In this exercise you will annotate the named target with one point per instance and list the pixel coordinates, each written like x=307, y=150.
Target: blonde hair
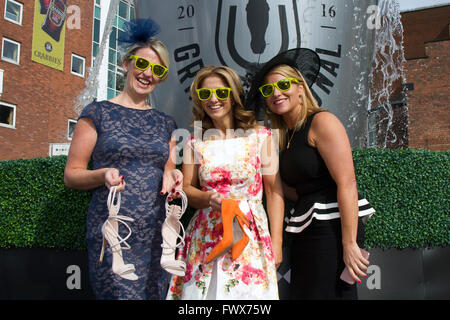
x=155, y=45
x=244, y=119
x=309, y=104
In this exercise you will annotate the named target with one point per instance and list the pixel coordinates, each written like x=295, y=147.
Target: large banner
x=241, y=33
x=49, y=33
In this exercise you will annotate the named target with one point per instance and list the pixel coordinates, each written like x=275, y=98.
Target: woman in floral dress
x=233, y=159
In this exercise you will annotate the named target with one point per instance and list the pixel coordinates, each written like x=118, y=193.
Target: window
x=96, y=31
x=123, y=10
x=116, y=79
x=13, y=11
x=77, y=65
x=70, y=128
x=7, y=115
x=10, y=51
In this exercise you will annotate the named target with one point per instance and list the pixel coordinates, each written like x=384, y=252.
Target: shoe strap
x=113, y=208
x=116, y=233
x=184, y=202
x=126, y=268
x=113, y=215
x=181, y=243
x=176, y=212
x=121, y=218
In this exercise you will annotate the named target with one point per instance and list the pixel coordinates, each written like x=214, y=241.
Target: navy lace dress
x=135, y=142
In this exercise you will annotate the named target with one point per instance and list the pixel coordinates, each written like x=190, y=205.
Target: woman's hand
x=113, y=178
x=215, y=201
x=355, y=262
x=172, y=183
x=278, y=254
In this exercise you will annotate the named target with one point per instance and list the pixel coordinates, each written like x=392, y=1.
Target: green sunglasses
x=283, y=84
x=221, y=93
x=143, y=64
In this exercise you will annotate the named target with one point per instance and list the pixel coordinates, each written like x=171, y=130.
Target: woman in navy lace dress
x=129, y=142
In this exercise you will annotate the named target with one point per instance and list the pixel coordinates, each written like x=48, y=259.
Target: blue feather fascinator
x=137, y=31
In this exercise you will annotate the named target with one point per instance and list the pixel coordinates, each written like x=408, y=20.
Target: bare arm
x=172, y=177
x=329, y=136
x=274, y=196
x=76, y=174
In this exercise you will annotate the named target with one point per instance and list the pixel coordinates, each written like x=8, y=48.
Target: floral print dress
x=231, y=167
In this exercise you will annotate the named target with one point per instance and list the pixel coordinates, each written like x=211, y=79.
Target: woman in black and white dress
x=316, y=167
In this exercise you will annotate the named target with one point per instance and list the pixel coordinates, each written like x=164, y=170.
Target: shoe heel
x=112, y=238
x=240, y=245
x=102, y=252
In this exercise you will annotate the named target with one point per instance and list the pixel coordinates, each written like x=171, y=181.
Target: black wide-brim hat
x=305, y=60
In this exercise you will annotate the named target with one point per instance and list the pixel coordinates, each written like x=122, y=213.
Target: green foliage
x=36, y=209
x=409, y=191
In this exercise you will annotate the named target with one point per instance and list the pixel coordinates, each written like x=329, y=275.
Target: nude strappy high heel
x=171, y=235
x=110, y=232
x=230, y=210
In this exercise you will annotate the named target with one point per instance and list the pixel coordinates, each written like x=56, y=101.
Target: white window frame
x=20, y=15
x=84, y=65
x=69, y=121
x=1, y=82
x=18, y=51
x=13, y=126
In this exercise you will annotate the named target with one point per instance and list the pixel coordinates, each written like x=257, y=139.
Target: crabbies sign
x=49, y=33
x=243, y=34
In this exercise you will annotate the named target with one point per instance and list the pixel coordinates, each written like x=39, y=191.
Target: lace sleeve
x=92, y=111
x=171, y=125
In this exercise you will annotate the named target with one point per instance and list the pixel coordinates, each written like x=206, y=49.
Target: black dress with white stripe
x=316, y=251
x=302, y=168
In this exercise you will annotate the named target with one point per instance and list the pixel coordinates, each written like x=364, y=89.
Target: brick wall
x=43, y=96
x=428, y=103
x=424, y=122
x=421, y=26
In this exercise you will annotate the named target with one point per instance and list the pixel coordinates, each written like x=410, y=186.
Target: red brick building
x=427, y=73
x=419, y=115
x=36, y=102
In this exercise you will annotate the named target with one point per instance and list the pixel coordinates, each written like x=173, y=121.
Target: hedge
x=36, y=209
x=408, y=189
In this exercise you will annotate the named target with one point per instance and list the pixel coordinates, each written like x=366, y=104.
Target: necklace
x=293, y=131
x=289, y=141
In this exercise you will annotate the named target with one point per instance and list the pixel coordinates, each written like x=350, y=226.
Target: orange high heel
x=230, y=210
x=239, y=246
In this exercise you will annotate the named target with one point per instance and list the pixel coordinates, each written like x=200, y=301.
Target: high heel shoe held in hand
x=172, y=238
x=110, y=231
